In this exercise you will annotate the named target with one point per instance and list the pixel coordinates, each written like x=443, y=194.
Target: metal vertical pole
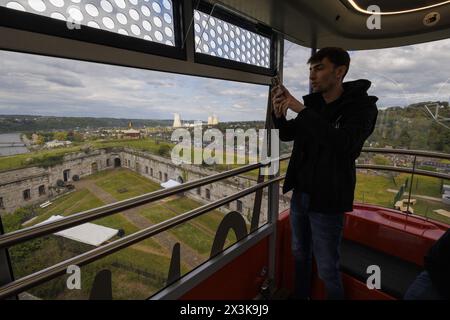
x=6, y=273
x=274, y=189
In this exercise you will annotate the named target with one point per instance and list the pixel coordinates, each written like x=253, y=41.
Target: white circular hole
x=121, y=18
x=123, y=31
x=75, y=14
x=120, y=3
x=147, y=37
x=157, y=21
x=156, y=7
x=169, y=43
x=167, y=18
x=167, y=4
x=205, y=36
x=159, y=35
x=134, y=14
x=212, y=44
x=168, y=31
x=147, y=26
x=106, y=6
x=108, y=22
x=91, y=10
x=14, y=5
x=197, y=27
x=57, y=15
x=57, y=3
x=37, y=5
x=145, y=11
x=212, y=33
x=219, y=29
x=135, y=2
x=93, y=24
x=205, y=48
x=220, y=51
x=220, y=41
x=196, y=15
x=135, y=29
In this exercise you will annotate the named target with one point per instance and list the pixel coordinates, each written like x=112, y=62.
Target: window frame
x=36, y=23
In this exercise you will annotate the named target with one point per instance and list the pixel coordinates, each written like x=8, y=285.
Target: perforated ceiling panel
x=151, y=20
x=222, y=39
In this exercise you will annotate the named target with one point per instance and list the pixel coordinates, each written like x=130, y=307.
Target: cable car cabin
x=218, y=231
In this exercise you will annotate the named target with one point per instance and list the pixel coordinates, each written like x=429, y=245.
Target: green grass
x=186, y=233
x=148, y=145
x=114, y=180
x=372, y=189
x=198, y=233
x=40, y=158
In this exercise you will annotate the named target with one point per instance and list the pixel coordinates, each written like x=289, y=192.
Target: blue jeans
x=321, y=234
x=422, y=289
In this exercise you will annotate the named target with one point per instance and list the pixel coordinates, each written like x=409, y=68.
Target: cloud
x=63, y=81
x=32, y=84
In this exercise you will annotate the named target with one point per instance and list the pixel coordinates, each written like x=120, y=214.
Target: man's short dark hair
x=338, y=56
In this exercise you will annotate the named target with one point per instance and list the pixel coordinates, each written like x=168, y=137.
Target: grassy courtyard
x=137, y=271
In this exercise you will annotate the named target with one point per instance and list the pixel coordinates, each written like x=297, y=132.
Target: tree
x=164, y=150
x=381, y=160
x=62, y=136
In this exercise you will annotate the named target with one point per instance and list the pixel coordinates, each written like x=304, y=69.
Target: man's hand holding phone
x=282, y=100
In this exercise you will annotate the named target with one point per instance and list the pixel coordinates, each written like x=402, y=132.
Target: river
x=7, y=141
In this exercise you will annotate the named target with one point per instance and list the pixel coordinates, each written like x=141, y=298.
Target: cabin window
x=208, y=194
x=128, y=18
x=219, y=38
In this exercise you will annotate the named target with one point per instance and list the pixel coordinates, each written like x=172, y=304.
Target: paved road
x=417, y=196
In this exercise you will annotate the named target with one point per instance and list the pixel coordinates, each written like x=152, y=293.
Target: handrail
x=44, y=275
x=422, y=153
x=405, y=170
x=58, y=269
x=15, y=237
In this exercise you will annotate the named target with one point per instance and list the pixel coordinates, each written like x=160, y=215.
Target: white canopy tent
x=170, y=184
x=88, y=233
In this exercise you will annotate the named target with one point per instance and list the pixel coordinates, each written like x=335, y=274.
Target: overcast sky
x=49, y=86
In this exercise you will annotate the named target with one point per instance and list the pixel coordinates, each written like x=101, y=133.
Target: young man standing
x=328, y=133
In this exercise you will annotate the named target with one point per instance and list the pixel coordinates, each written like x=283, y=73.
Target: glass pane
x=94, y=134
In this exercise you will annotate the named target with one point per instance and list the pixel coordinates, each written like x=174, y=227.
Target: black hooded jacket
x=437, y=263
x=328, y=138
